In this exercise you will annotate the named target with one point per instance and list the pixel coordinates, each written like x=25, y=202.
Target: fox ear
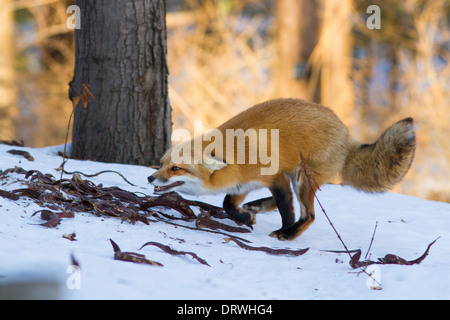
x=212, y=163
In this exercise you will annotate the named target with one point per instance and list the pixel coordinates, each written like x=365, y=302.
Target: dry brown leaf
x=75, y=101
x=84, y=100
x=132, y=256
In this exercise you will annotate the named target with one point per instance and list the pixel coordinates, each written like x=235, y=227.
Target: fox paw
x=281, y=235
x=243, y=216
x=289, y=233
x=251, y=220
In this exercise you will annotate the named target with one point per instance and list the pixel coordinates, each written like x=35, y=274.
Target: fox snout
x=162, y=184
x=155, y=178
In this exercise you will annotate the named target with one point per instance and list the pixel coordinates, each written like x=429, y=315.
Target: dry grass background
x=223, y=57
x=220, y=64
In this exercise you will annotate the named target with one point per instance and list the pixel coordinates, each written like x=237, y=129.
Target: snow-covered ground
x=35, y=259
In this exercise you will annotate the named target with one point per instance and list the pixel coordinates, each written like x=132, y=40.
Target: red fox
x=290, y=130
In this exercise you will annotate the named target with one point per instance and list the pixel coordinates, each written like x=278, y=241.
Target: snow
x=37, y=260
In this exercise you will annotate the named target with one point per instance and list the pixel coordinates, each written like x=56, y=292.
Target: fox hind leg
x=261, y=205
x=282, y=196
x=305, y=194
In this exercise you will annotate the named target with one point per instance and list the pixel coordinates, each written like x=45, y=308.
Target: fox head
x=189, y=176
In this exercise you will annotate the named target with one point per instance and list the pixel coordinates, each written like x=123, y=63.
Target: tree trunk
x=336, y=48
x=121, y=54
x=8, y=107
x=299, y=24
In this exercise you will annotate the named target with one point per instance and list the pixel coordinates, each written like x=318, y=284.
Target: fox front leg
x=231, y=206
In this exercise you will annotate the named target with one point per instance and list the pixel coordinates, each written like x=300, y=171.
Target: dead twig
x=97, y=174
x=203, y=230
x=173, y=252
x=268, y=250
x=22, y=153
x=84, y=94
x=9, y=195
x=204, y=221
x=371, y=241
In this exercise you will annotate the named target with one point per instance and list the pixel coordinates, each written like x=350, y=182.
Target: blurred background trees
x=226, y=55
x=8, y=97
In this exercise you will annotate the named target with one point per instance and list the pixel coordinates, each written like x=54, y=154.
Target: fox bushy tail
x=379, y=166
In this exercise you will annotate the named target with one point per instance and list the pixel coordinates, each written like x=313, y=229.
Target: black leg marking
x=306, y=199
x=283, y=199
x=230, y=205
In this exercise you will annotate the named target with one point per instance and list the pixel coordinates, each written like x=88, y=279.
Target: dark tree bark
x=121, y=54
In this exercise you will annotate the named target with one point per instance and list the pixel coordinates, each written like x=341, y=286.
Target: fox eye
x=175, y=168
